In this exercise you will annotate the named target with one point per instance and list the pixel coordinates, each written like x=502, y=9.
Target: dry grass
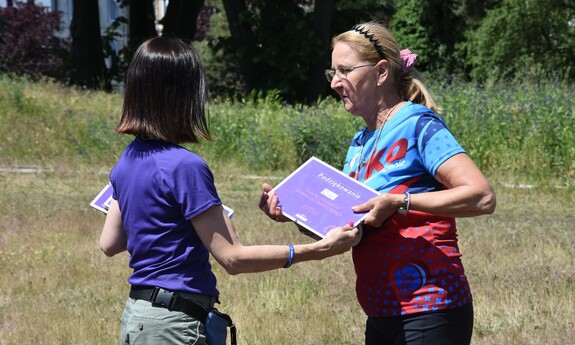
x=56, y=287
x=521, y=264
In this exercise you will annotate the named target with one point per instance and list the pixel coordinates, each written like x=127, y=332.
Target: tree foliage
x=347, y=13
x=431, y=29
x=284, y=46
x=523, y=38
x=181, y=17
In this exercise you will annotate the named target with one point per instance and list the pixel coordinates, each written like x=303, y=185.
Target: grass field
x=56, y=287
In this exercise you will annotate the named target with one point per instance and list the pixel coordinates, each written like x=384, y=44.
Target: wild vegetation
x=521, y=133
x=57, y=148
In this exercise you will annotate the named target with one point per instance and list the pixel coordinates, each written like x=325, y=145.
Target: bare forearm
x=251, y=259
x=457, y=202
x=111, y=250
x=218, y=235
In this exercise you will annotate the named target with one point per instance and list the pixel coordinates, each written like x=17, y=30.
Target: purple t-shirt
x=160, y=187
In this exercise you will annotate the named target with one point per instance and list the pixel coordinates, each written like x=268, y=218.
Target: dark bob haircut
x=165, y=93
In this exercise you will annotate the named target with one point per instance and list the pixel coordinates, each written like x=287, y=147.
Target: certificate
x=104, y=198
x=319, y=197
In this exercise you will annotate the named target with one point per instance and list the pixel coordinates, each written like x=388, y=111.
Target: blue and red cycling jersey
x=411, y=263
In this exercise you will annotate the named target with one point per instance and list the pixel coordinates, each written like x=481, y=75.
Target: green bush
x=264, y=133
x=28, y=43
x=520, y=38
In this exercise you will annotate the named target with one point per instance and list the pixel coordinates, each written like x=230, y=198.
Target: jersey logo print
x=396, y=151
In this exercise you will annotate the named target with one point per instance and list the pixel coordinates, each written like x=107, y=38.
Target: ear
x=382, y=71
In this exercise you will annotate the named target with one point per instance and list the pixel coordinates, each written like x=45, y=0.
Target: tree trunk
x=240, y=33
x=181, y=18
x=141, y=21
x=86, y=52
x=322, y=15
x=234, y=8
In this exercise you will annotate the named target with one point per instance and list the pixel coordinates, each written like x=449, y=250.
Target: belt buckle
x=162, y=297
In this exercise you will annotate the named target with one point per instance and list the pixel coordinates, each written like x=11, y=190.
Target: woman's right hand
x=270, y=204
x=379, y=208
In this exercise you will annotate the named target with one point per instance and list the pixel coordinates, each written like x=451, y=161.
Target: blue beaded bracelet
x=291, y=256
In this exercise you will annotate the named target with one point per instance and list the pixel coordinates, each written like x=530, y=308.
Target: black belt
x=170, y=300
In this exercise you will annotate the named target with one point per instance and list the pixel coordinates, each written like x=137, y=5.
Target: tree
x=141, y=22
x=86, y=52
x=181, y=18
x=430, y=29
x=321, y=26
x=523, y=38
x=141, y=26
x=89, y=49
x=284, y=45
x=270, y=53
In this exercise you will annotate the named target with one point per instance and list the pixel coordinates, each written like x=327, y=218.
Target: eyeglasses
x=341, y=72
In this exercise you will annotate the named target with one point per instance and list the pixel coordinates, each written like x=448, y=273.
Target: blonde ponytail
x=412, y=88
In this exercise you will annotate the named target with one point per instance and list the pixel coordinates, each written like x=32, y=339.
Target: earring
x=378, y=84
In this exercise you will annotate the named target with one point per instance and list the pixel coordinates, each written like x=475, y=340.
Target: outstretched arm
x=218, y=234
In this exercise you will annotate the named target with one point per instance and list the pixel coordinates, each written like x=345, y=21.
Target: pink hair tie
x=408, y=59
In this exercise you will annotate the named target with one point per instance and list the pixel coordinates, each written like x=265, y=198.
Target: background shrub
x=28, y=42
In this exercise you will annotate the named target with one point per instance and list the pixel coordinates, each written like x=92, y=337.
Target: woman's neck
x=383, y=115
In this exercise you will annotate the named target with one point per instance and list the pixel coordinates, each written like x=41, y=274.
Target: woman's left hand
x=270, y=204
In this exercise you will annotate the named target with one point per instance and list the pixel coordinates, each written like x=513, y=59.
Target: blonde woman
x=410, y=278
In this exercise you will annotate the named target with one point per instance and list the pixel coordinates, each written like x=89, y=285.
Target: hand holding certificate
x=319, y=198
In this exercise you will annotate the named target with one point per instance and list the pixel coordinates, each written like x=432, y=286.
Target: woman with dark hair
x=166, y=211
x=410, y=279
